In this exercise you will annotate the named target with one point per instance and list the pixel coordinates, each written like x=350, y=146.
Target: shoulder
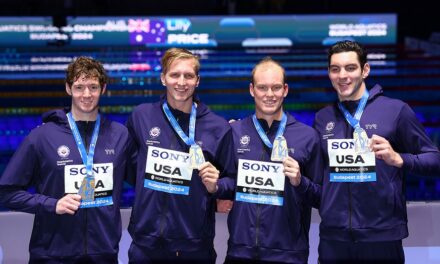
x=142, y=108
x=144, y=112
x=325, y=118
x=326, y=111
x=387, y=102
x=240, y=124
x=386, y=107
x=299, y=130
x=211, y=119
x=115, y=126
x=43, y=130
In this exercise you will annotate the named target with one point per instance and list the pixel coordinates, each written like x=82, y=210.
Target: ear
x=251, y=89
x=366, y=71
x=68, y=89
x=198, y=81
x=162, y=79
x=286, y=90
x=104, y=88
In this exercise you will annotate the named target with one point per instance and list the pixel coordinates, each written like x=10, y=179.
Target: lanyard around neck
x=189, y=140
x=87, y=158
x=263, y=135
x=354, y=120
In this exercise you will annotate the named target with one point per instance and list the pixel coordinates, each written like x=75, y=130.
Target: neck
x=185, y=106
x=270, y=117
x=79, y=116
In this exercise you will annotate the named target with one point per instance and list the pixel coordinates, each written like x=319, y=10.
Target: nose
x=342, y=73
x=181, y=80
x=87, y=92
x=269, y=92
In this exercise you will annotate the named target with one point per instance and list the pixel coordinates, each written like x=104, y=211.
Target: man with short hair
x=279, y=170
x=76, y=161
x=370, y=142
x=185, y=162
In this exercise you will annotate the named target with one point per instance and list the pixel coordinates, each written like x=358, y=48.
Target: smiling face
x=85, y=92
x=269, y=90
x=181, y=80
x=347, y=75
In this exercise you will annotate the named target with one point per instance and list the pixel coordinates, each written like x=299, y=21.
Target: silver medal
x=87, y=189
x=361, y=140
x=196, y=156
x=279, y=149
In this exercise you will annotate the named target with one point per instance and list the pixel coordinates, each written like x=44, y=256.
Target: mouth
x=269, y=103
x=344, y=85
x=180, y=90
x=87, y=103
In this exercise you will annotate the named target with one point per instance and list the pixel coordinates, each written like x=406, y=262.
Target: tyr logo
x=110, y=151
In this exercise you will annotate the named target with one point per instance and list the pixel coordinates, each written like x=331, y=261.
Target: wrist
x=214, y=190
x=295, y=181
x=398, y=161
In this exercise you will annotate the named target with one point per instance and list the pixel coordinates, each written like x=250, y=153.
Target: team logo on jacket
x=329, y=130
x=244, y=141
x=244, y=144
x=63, y=151
x=154, y=132
x=329, y=127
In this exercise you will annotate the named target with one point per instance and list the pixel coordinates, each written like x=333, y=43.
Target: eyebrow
x=351, y=64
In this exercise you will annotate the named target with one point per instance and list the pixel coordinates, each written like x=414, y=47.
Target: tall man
x=185, y=154
x=370, y=141
x=279, y=168
x=74, y=151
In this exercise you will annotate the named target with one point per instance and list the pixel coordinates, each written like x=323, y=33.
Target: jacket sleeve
x=420, y=156
x=132, y=150
x=311, y=179
x=228, y=167
x=22, y=172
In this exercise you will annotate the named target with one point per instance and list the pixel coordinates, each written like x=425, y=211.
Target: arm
x=414, y=151
x=226, y=168
x=21, y=172
x=309, y=184
x=131, y=153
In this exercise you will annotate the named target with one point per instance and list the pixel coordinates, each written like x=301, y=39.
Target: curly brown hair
x=90, y=67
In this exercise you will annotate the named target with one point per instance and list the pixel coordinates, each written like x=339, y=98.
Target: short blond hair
x=178, y=54
x=267, y=61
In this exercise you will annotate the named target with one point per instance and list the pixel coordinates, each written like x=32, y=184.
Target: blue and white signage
x=167, y=171
x=260, y=182
x=348, y=166
x=103, y=174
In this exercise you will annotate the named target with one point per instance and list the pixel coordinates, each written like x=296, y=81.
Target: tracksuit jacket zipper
x=257, y=252
x=86, y=145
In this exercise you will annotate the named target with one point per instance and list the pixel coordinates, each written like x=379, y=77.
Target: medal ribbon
x=263, y=135
x=86, y=158
x=354, y=121
x=189, y=140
